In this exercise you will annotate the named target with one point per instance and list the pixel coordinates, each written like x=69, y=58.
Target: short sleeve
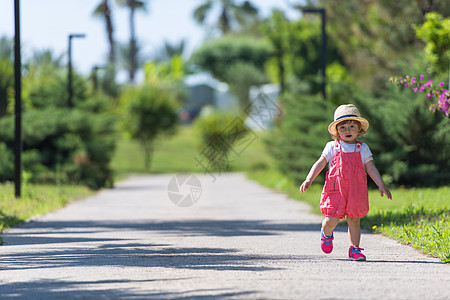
x=328, y=151
x=366, y=154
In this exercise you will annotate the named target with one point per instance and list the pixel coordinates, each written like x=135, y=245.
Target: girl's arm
x=315, y=170
x=376, y=177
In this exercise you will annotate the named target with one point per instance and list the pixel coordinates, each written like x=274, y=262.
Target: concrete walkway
x=240, y=240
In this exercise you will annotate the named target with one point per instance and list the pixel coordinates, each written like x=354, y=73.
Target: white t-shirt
x=328, y=151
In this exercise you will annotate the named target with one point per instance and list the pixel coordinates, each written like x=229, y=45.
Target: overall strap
x=337, y=145
x=358, y=147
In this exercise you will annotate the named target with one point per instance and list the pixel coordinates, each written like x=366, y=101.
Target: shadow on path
x=219, y=228
x=48, y=253
x=62, y=289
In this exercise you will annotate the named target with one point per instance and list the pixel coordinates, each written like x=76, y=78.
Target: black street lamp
x=94, y=76
x=70, y=86
x=18, y=103
x=322, y=13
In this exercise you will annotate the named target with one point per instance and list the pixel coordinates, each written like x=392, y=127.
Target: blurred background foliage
x=368, y=41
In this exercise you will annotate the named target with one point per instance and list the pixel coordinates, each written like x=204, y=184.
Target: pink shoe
x=326, y=243
x=354, y=253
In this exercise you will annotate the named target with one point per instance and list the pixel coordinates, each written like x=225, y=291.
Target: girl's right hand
x=305, y=185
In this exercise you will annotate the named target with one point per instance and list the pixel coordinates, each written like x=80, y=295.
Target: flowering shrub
x=442, y=95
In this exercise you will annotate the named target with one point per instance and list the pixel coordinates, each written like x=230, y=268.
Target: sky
x=46, y=24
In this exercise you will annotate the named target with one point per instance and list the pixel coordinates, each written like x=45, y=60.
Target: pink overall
x=345, y=190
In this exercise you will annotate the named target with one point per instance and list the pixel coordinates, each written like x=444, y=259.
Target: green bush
x=77, y=143
x=219, y=133
x=148, y=111
x=299, y=139
x=216, y=56
x=410, y=144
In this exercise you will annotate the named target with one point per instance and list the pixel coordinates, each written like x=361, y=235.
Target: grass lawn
x=177, y=154
x=36, y=200
x=418, y=217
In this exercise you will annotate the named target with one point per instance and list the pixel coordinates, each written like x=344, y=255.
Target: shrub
x=299, y=139
x=409, y=143
x=148, y=112
x=80, y=143
x=219, y=133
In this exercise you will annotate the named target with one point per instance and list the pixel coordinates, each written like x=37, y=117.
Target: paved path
x=240, y=240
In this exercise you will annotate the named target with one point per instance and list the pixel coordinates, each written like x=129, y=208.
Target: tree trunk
x=110, y=31
x=133, y=54
x=148, y=148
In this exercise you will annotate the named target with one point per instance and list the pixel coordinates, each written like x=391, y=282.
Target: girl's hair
x=361, y=131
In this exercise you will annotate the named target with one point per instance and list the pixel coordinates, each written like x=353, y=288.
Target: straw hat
x=347, y=112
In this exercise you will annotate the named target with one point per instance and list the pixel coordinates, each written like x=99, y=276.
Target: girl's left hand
x=384, y=190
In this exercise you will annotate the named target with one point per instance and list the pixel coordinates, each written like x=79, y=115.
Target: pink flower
x=429, y=95
x=421, y=77
x=415, y=90
x=407, y=76
x=441, y=84
x=422, y=88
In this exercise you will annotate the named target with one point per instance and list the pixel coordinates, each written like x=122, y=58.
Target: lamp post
x=94, y=76
x=18, y=103
x=70, y=86
x=322, y=13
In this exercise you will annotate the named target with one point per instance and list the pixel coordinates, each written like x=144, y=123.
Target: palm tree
x=133, y=5
x=42, y=59
x=103, y=10
x=169, y=50
x=230, y=12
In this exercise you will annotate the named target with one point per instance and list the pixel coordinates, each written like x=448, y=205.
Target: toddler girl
x=345, y=189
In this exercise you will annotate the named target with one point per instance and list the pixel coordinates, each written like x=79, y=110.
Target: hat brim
x=332, y=126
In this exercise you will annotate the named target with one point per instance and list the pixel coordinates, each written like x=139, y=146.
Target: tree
x=132, y=57
x=276, y=29
x=435, y=32
x=45, y=59
x=238, y=61
x=372, y=36
x=230, y=13
x=168, y=50
x=108, y=82
x=103, y=10
x=168, y=74
x=148, y=112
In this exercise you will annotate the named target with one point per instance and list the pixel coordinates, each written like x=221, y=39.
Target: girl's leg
x=354, y=231
x=328, y=225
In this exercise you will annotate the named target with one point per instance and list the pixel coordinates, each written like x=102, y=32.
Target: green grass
x=177, y=154
x=418, y=217
x=36, y=200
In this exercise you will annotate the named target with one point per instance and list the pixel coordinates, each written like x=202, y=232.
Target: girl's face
x=348, y=132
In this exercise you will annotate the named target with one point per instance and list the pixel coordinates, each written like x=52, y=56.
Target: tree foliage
x=297, y=51
x=301, y=136
x=62, y=145
x=148, y=112
x=217, y=55
x=409, y=143
x=372, y=36
x=59, y=144
x=232, y=15
x=238, y=61
x=435, y=32
x=372, y=41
